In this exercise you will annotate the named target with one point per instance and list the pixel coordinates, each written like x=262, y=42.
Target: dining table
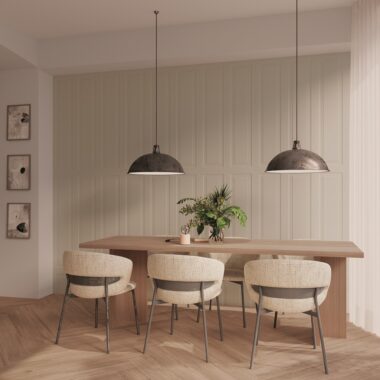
x=136, y=248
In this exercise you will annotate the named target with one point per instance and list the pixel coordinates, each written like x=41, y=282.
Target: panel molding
x=223, y=122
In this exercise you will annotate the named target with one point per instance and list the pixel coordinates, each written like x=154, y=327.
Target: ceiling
x=10, y=60
x=41, y=19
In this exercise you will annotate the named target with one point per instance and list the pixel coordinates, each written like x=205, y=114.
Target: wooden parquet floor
x=27, y=331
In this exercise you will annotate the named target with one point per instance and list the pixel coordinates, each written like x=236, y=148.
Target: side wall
x=364, y=279
x=26, y=266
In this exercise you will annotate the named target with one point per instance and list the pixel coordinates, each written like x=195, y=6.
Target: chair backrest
x=185, y=268
x=299, y=274
x=289, y=286
x=95, y=264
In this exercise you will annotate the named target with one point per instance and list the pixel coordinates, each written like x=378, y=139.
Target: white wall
x=26, y=265
x=322, y=31
x=223, y=122
x=45, y=183
x=364, y=279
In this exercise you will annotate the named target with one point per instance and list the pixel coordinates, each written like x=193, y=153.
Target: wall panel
x=224, y=122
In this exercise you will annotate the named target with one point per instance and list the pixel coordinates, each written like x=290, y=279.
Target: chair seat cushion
x=118, y=287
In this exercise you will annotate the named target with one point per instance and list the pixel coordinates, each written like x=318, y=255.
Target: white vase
x=184, y=239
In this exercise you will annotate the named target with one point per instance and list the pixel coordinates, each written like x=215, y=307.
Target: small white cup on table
x=184, y=237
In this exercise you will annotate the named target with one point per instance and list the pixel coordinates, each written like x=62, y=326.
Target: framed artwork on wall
x=18, y=122
x=18, y=172
x=18, y=220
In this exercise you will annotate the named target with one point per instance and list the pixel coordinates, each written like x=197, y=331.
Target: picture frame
x=18, y=172
x=18, y=220
x=18, y=122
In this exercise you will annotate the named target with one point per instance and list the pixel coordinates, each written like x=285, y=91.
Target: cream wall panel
x=241, y=109
x=270, y=76
x=270, y=203
x=133, y=110
x=332, y=129
x=160, y=205
x=212, y=136
x=224, y=122
x=110, y=107
x=332, y=207
x=186, y=116
x=301, y=201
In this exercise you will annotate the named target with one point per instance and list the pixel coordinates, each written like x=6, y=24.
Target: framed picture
x=18, y=220
x=18, y=172
x=18, y=122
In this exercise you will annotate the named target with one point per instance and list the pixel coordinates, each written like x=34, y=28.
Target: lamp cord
x=156, y=79
x=296, y=70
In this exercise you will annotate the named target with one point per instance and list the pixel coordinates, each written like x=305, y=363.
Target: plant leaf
x=200, y=228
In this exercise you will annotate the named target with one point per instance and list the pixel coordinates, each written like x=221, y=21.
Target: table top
x=312, y=248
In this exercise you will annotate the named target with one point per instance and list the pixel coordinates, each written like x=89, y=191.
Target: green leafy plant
x=212, y=210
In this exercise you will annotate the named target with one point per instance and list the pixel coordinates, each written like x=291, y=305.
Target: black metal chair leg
x=137, y=321
x=96, y=312
x=172, y=319
x=275, y=320
x=62, y=311
x=210, y=305
x=150, y=319
x=220, y=319
x=321, y=334
x=313, y=328
x=107, y=316
x=204, y=322
x=257, y=327
x=176, y=312
x=243, y=304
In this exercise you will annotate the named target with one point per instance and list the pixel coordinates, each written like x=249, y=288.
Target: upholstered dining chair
x=182, y=280
x=234, y=272
x=289, y=286
x=289, y=257
x=97, y=276
x=168, y=238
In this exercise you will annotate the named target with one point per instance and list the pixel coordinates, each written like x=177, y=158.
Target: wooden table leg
x=121, y=307
x=333, y=310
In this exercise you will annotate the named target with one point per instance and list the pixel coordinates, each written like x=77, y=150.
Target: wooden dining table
x=136, y=248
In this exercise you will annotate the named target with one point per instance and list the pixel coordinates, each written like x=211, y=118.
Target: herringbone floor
x=27, y=330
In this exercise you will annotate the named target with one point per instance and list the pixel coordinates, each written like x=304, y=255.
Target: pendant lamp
x=297, y=160
x=156, y=163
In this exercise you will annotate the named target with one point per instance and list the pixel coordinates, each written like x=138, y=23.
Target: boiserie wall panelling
x=224, y=122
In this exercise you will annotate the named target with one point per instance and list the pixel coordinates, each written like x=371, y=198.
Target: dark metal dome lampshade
x=156, y=163
x=297, y=160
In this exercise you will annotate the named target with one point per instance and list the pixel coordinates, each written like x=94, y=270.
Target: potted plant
x=213, y=210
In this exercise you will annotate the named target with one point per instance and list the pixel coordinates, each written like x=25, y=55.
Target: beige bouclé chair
x=97, y=276
x=288, y=286
x=234, y=272
x=182, y=280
